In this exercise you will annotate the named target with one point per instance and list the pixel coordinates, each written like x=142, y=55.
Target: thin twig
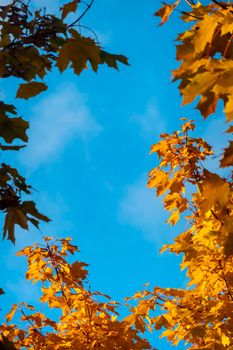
x=227, y=46
x=220, y=4
x=31, y=323
x=82, y=15
x=190, y=2
x=92, y=31
x=216, y=217
x=225, y=280
x=190, y=15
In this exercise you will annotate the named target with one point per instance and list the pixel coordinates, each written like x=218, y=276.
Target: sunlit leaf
x=166, y=11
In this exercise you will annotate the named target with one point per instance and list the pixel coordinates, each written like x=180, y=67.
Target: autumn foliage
x=32, y=44
x=201, y=314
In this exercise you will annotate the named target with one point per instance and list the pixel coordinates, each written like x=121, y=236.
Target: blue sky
x=88, y=156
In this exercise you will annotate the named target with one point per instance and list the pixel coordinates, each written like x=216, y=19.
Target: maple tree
x=32, y=44
x=201, y=314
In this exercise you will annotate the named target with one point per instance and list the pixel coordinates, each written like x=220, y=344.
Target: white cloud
x=141, y=209
x=150, y=122
x=56, y=120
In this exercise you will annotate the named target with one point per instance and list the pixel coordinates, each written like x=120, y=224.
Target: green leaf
x=31, y=89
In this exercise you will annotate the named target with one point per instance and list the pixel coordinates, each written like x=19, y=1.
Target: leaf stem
x=30, y=322
x=82, y=15
x=227, y=46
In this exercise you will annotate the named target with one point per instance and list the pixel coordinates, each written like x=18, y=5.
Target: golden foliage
x=88, y=320
x=201, y=314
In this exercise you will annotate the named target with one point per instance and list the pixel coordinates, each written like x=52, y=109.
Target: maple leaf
x=111, y=59
x=78, y=271
x=79, y=51
x=208, y=103
x=214, y=190
x=203, y=32
x=13, y=128
x=225, y=340
x=11, y=314
x=230, y=129
x=31, y=89
x=175, y=216
x=227, y=158
x=11, y=148
x=6, y=344
x=69, y=7
x=166, y=11
x=14, y=216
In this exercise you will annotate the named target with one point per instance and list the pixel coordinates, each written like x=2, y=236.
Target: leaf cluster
x=31, y=45
x=201, y=314
x=88, y=320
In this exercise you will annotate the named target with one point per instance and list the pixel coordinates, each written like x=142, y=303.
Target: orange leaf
x=166, y=11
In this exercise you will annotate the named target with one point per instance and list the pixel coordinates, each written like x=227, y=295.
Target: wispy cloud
x=56, y=120
x=141, y=209
x=150, y=121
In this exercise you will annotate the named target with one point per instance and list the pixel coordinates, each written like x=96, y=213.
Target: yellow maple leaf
x=225, y=340
x=166, y=11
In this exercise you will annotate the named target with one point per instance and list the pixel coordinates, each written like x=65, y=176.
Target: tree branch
x=82, y=15
x=220, y=4
x=190, y=2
